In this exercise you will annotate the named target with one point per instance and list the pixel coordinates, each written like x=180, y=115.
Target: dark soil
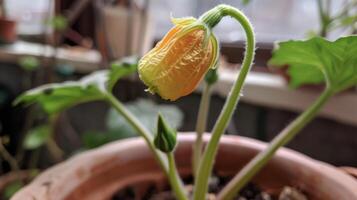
x=151, y=191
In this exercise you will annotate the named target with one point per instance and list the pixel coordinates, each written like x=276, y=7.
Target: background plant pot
x=124, y=30
x=7, y=31
x=100, y=173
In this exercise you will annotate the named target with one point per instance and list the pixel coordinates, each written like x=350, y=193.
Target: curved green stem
x=201, y=126
x=175, y=180
x=245, y=175
x=141, y=130
x=206, y=164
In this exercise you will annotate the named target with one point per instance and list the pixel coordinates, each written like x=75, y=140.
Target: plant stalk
x=248, y=172
x=175, y=180
x=8, y=157
x=55, y=151
x=201, y=126
x=324, y=18
x=141, y=130
x=206, y=164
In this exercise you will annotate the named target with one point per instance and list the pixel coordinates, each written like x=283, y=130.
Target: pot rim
x=56, y=177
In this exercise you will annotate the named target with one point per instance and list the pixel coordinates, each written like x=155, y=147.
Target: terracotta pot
x=7, y=31
x=98, y=174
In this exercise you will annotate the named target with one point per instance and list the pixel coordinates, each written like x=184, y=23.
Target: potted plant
x=226, y=164
x=8, y=26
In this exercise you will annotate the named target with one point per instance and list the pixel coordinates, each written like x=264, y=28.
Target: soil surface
x=250, y=192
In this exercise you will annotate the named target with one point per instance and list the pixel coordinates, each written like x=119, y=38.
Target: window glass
x=30, y=15
x=272, y=19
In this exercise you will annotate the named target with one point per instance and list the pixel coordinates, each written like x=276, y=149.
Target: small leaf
x=349, y=20
x=165, y=138
x=59, y=23
x=56, y=97
x=29, y=63
x=120, y=69
x=317, y=59
x=246, y=2
x=36, y=137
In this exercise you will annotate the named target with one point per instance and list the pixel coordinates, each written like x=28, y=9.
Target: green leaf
x=348, y=20
x=57, y=97
x=246, y=2
x=146, y=112
x=95, y=139
x=59, y=22
x=124, y=67
x=317, y=59
x=11, y=189
x=36, y=137
x=29, y=63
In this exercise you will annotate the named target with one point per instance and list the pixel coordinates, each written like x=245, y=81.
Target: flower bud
x=211, y=76
x=180, y=60
x=165, y=139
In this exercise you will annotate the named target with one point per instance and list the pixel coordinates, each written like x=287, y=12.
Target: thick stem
x=141, y=130
x=206, y=164
x=245, y=175
x=201, y=126
x=175, y=180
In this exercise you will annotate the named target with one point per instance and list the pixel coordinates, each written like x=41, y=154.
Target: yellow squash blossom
x=180, y=60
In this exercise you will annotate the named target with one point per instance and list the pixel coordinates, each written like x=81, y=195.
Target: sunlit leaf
x=317, y=59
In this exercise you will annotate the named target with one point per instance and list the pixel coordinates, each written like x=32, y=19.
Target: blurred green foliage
x=29, y=63
x=145, y=110
x=37, y=137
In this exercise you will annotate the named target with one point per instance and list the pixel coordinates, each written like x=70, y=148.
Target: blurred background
x=46, y=41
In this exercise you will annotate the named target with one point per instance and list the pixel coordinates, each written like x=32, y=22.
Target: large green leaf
x=56, y=97
x=36, y=137
x=317, y=59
